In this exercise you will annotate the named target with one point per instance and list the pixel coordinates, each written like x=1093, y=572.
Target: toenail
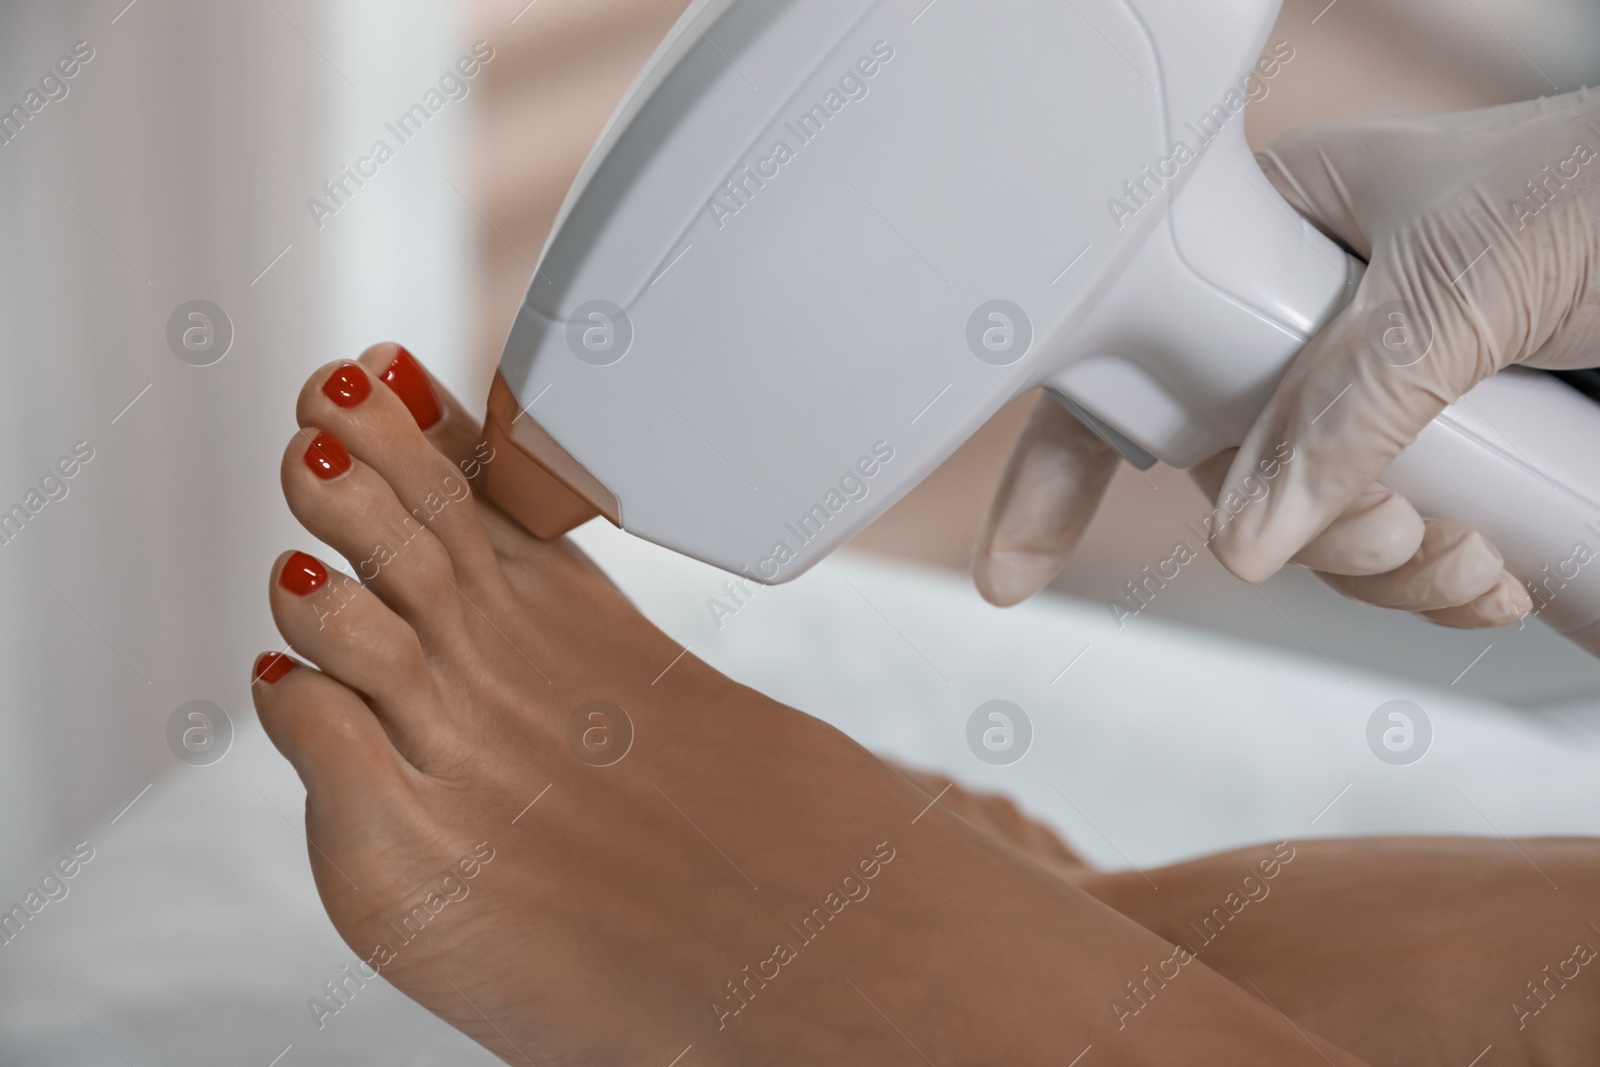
x=272, y=666
x=303, y=575
x=405, y=376
x=347, y=386
x=327, y=456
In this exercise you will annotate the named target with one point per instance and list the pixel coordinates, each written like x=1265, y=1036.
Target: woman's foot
x=539, y=817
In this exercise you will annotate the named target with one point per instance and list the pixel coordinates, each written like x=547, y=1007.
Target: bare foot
x=535, y=814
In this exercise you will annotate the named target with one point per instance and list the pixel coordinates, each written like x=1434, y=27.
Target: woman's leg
x=536, y=815
x=1407, y=951
x=1005, y=823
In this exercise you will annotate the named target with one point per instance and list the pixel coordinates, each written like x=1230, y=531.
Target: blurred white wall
x=403, y=256
x=178, y=167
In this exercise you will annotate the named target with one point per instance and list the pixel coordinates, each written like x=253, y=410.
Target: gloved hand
x=1482, y=230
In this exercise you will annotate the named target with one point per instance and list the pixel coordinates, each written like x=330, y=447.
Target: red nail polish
x=303, y=575
x=271, y=667
x=327, y=456
x=347, y=386
x=406, y=377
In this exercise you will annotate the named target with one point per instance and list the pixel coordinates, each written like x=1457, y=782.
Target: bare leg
x=1007, y=824
x=1406, y=951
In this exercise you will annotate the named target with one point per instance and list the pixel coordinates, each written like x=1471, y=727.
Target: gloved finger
x=1301, y=166
x=1357, y=177
x=1378, y=532
x=1415, y=338
x=1505, y=602
x=1051, y=488
x=1347, y=407
x=1455, y=565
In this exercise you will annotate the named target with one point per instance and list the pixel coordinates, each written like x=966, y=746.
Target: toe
x=345, y=503
x=458, y=435
x=443, y=420
x=357, y=641
x=378, y=428
x=322, y=727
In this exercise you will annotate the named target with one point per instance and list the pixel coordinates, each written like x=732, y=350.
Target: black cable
x=1586, y=382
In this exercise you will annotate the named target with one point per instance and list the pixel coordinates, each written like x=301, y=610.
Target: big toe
x=443, y=420
x=378, y=425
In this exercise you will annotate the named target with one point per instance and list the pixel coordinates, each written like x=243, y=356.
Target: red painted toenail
x=271, y=667
x=347, y=386
x=327, y=456
x=405, y=376
x=303, y=575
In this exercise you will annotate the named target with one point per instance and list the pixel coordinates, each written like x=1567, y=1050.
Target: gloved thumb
x=1421, y=331
x=1342, y=414
x=1051, y=488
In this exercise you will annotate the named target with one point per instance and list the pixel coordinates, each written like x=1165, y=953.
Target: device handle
x=1511, y=460
x=1243, y=282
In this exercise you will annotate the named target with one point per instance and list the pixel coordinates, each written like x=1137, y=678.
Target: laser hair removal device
x=821, y=242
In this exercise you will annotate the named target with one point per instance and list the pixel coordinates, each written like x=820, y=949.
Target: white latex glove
x=1060, y=469
x=1445, y=209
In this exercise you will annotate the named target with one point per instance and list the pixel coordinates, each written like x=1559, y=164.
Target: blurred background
x=186, y=160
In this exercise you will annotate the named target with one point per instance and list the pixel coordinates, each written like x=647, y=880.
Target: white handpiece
x=823, y=241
